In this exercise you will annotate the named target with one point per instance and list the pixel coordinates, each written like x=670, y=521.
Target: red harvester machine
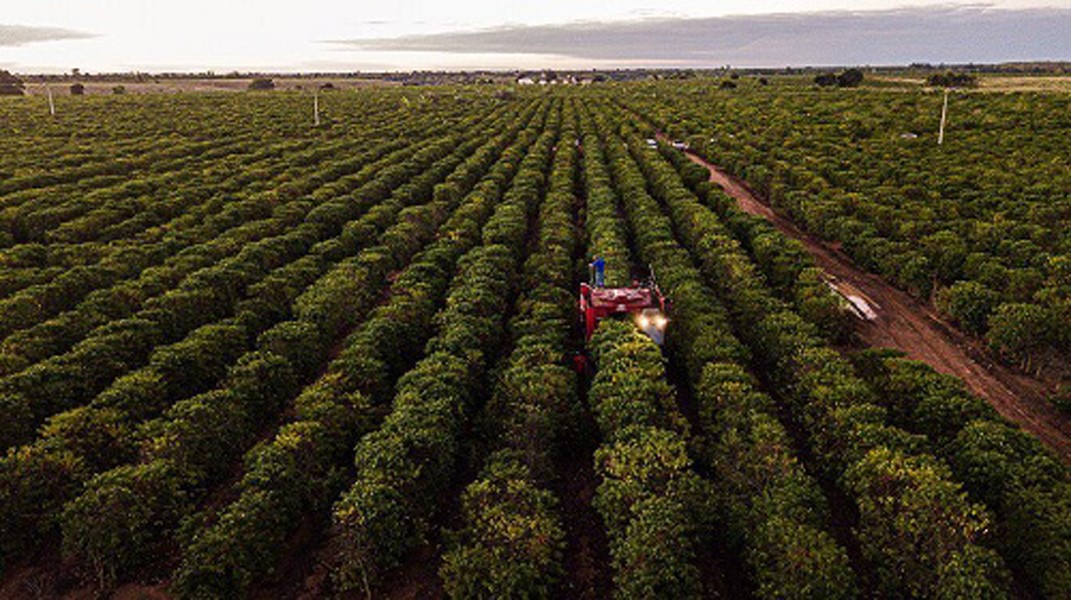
x=643, y=301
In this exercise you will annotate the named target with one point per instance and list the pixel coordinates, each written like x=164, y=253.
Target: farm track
x=906, y=324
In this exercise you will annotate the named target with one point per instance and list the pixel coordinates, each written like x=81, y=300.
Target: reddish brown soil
x=133, y=591
x=587, y=559
x=305, y=573
x=417, y=579
x=47, y=575
x=30, y=581
x=38, y=583
x=908, y=325
x=587, y=556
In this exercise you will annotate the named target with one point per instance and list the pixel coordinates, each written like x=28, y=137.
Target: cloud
x=951, y=34
x=18, y=35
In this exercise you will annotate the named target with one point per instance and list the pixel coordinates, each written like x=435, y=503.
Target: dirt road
x=906, y=324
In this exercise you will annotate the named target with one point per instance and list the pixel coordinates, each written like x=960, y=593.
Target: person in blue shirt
x=599, y=265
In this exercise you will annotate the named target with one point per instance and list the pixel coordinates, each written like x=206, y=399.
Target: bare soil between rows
x=910, y=326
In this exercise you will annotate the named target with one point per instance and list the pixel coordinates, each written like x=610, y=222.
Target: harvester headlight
x=643, y=321
x=660, y=322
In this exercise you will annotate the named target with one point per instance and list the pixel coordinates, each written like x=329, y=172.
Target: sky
x=51, y=36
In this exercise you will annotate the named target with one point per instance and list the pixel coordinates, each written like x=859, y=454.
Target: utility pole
x=316, y=108
x=51, y=103
x=944, y=113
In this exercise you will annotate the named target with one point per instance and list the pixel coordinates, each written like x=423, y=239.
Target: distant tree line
x=261, y=84
x=11, y=85
x=847, y=78
x=950, y=79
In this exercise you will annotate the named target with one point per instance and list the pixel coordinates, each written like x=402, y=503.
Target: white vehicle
x=652, y=143
x=679, y=145
x=857, y=303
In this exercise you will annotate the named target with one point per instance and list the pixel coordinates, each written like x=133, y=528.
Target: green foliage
x=194, y=317
x=795, y=560
x=246, y=535
x=969, y=303
x=513, y=543
x=151, y=416
x=850, y=78
x=646, y=462
x=653, y=558
x=605, y=232
x=15, y=419
x=403, y=466
x=1016, y=329
x=652, y=503
x=773, y=508
x=1028, y=490
x=927, y=523
x=33, y=485
x=849, y=437
x=847, y=78
x=300, y=468
x=114, y=525
x=920, y=215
